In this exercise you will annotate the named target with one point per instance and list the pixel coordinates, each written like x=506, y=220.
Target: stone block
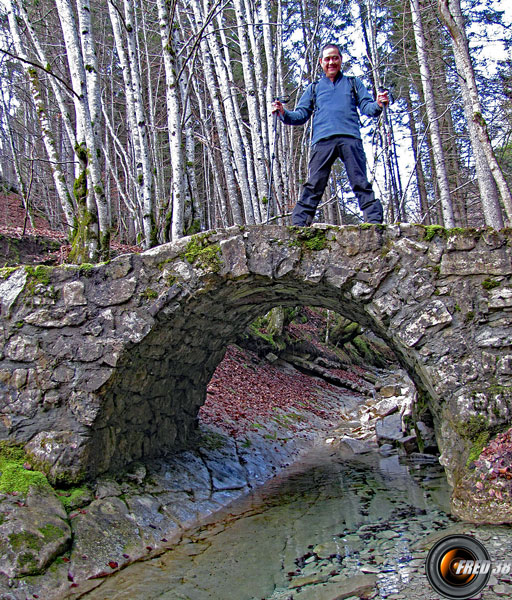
x=433, y=314
x=477, y=262
x=389, y=429
x=73, y=294
x=33, y=534
x=112, y=293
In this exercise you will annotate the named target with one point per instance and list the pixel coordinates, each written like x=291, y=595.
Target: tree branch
x=38, y=66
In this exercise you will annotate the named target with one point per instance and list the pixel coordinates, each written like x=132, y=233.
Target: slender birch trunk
x=173, y=120
x=435, y=134
x=46, y=130
x=232, y=114
x=253, y=110
x=221, y=125
x=56, y=87
x=145, y=176
x=97, y=218
x=451, y=16
x=91, y=68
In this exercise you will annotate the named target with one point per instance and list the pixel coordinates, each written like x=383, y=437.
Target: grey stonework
x=105, y=365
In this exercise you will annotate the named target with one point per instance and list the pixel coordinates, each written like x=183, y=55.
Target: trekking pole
x=283, y=100
x=388, y=148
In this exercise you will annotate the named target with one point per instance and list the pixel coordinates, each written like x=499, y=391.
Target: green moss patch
x=14, y=476
x=309, y=238
x=74, y=497
x=6, y=272
x=490, y=284
x=202, y=253
x=39, y=274
x=477, y=432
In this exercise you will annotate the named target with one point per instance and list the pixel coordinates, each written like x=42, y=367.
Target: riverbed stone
x=108, y=534
x=33, y=532
x=340, y=589
x=389, y=429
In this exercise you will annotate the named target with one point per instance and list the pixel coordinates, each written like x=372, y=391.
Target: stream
x=330, y=526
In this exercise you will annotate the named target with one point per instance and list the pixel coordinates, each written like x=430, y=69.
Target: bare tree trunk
x=233, y=117
x=420, y=176
x=97, y=223
x=451, y=16
x=220, y=122
x=253, y=110
x=173, y=119
x=145, y=175
x=435, y=135
x=48, y=139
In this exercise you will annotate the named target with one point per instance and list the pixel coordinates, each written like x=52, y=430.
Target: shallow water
x=329, y=515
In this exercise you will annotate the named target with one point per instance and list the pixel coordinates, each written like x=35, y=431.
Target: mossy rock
x=16, y=474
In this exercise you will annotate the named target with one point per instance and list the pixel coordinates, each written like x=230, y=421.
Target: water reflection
x=328, y=517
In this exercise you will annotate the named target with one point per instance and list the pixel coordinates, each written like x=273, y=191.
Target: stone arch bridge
x=103, y=365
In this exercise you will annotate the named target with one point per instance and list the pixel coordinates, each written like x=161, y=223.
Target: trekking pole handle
x=390, y=95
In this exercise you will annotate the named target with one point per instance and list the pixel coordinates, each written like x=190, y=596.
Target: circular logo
x=458, y=567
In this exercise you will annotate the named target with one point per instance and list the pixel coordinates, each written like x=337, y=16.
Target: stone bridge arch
x=104, y=365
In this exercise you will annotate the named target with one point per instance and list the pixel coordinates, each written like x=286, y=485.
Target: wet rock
x=427, y=436
x=339, y=588
x=106, y=488
x=224, y=467
x=33, y=532
x=329, y=548
x=503, y=589
x=307, y=580
x=354, y=446
x=389, y=429
x=408, y=443
x=106, y=533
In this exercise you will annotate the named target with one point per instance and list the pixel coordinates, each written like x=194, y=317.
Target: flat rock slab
x=32, y=533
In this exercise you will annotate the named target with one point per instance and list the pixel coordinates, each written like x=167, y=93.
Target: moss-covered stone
x=309, y=238
x=74, y=497
x=200, y=252
x=490, y=284
x=14, y=474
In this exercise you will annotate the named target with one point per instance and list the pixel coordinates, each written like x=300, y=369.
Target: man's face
x=331, y=62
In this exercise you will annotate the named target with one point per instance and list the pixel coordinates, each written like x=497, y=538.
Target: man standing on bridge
x=333, y=102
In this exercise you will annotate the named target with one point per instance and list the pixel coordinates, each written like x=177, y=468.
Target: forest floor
x=40, y=244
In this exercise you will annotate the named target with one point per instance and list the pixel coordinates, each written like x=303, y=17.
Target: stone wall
x=103, y=365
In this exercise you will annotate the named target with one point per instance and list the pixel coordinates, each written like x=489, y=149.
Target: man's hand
x=383, y=98
x=278, y=107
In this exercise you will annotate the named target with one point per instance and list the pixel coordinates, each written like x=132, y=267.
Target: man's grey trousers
x=323, y=155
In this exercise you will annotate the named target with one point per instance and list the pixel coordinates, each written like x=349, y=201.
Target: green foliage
x=149, y=294
x=469, y=316
x=194, y=227
x=14, y=477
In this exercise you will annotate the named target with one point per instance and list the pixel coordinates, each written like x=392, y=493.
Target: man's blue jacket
x=335, y=112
